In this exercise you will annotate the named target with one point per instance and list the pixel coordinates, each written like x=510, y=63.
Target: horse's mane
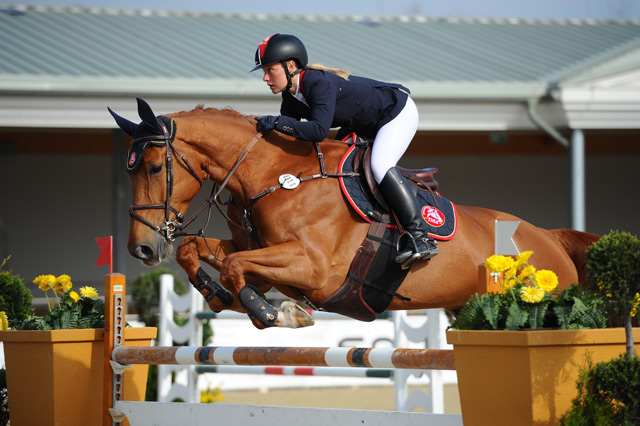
x=225, y=113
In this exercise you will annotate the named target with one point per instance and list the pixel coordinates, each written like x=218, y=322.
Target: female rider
x=326, y=98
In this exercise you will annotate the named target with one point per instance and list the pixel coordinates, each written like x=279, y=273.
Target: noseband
x=168, y=230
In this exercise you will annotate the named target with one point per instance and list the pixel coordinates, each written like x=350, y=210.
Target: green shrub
x=613, y=263
x=4, y=400
x=146, y=294
x=608, y=394
x=15, y=299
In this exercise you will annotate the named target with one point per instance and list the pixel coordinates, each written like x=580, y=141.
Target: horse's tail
x=576, y=243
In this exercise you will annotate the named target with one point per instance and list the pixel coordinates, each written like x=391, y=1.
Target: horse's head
x=158, y=202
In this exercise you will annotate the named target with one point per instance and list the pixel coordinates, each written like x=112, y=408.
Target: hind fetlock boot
x=416, y=243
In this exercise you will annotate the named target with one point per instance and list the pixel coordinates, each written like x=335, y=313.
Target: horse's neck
x=221, y=138
x=260, y=161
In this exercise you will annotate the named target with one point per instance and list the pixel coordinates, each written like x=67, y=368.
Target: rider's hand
x=267, y=122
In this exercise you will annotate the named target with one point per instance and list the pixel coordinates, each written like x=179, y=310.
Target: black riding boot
x=400, y=198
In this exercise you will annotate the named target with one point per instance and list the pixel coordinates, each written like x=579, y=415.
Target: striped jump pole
x=118, y=357
x=416, y=359
x=383, y=373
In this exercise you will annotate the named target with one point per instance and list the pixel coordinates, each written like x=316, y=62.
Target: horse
x=300, y=241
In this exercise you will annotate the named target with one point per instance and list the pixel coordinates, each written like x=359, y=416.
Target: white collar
x=298, y=95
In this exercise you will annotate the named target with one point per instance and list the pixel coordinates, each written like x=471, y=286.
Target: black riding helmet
x=281, y=48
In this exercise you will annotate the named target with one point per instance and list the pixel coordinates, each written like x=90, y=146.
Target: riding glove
x=267, y=122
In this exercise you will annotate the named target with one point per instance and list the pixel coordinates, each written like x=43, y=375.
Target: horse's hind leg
x=212, y=251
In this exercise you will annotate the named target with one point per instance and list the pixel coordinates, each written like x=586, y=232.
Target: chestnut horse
x=304, y=239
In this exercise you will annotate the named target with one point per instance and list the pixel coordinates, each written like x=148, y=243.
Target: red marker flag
x=106, y=252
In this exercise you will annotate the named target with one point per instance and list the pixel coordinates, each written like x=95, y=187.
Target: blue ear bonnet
x=143, y=138
x=148, y=132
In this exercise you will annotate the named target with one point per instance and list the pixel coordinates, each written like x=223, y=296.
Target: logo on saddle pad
x=132, y=159
x=433, y=216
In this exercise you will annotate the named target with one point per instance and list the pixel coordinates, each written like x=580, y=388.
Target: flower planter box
x=526, y=377
x=56, y=377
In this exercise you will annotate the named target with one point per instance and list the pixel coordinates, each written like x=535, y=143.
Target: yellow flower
x=4, y=321
x=45, y=282
x=508, y=284
x=88, y=292
x=523, y=258
x=547, y=280
x=74, y=296
x=509, y=280
x=531, y=294
x=498, y=263
x=527, y=272
x=63, y=284
x=211, y=395
x=634, y=308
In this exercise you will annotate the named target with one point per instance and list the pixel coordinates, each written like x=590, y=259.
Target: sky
x=583, y=9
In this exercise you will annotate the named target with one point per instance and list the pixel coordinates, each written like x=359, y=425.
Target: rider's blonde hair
x=337, y=71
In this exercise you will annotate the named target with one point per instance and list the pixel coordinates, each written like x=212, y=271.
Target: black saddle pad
x=439, y=213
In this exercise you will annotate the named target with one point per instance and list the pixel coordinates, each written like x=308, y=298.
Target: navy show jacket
x=360, y=105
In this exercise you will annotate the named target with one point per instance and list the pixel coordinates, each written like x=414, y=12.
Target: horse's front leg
x=212, y=251
x=284, y=264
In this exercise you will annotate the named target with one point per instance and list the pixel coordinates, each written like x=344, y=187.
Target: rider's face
x=275, y=77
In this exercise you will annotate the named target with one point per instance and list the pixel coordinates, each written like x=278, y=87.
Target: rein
x=175, y=228
x=214, y=199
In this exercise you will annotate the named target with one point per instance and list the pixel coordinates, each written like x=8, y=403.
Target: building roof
x=77, y=51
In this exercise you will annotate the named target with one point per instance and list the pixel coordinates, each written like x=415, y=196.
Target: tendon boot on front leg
x=416, y=243
x=205, y=282
x=258, y=308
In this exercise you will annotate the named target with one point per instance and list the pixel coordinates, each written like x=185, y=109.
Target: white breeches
x=393, y=139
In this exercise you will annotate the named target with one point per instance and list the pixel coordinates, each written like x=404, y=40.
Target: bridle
x=175, y=228
x=170, y=226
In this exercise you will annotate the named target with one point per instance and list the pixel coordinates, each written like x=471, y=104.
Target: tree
x=614, y=272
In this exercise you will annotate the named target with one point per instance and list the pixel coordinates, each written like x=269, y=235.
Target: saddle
x=374, y=277
x=422, y=178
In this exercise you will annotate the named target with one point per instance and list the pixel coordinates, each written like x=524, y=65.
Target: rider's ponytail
x=337, y=71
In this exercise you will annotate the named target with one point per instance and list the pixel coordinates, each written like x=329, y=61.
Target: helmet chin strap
x=290, y=75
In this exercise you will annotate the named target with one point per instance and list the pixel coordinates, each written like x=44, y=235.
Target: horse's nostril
x=144, y=252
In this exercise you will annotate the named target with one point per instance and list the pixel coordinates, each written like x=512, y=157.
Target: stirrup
x=431, y=249
x=410, y=261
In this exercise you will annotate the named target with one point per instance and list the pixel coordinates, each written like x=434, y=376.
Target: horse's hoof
x=293, y=316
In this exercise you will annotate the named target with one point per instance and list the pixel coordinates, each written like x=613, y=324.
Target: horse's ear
x=126, y=125
x=146, y=113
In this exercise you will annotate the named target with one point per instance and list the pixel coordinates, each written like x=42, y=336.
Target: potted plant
x=609, y=392
x=524, y=345
x=60, y=358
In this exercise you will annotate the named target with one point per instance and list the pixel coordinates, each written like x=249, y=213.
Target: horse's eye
x=155, y=169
